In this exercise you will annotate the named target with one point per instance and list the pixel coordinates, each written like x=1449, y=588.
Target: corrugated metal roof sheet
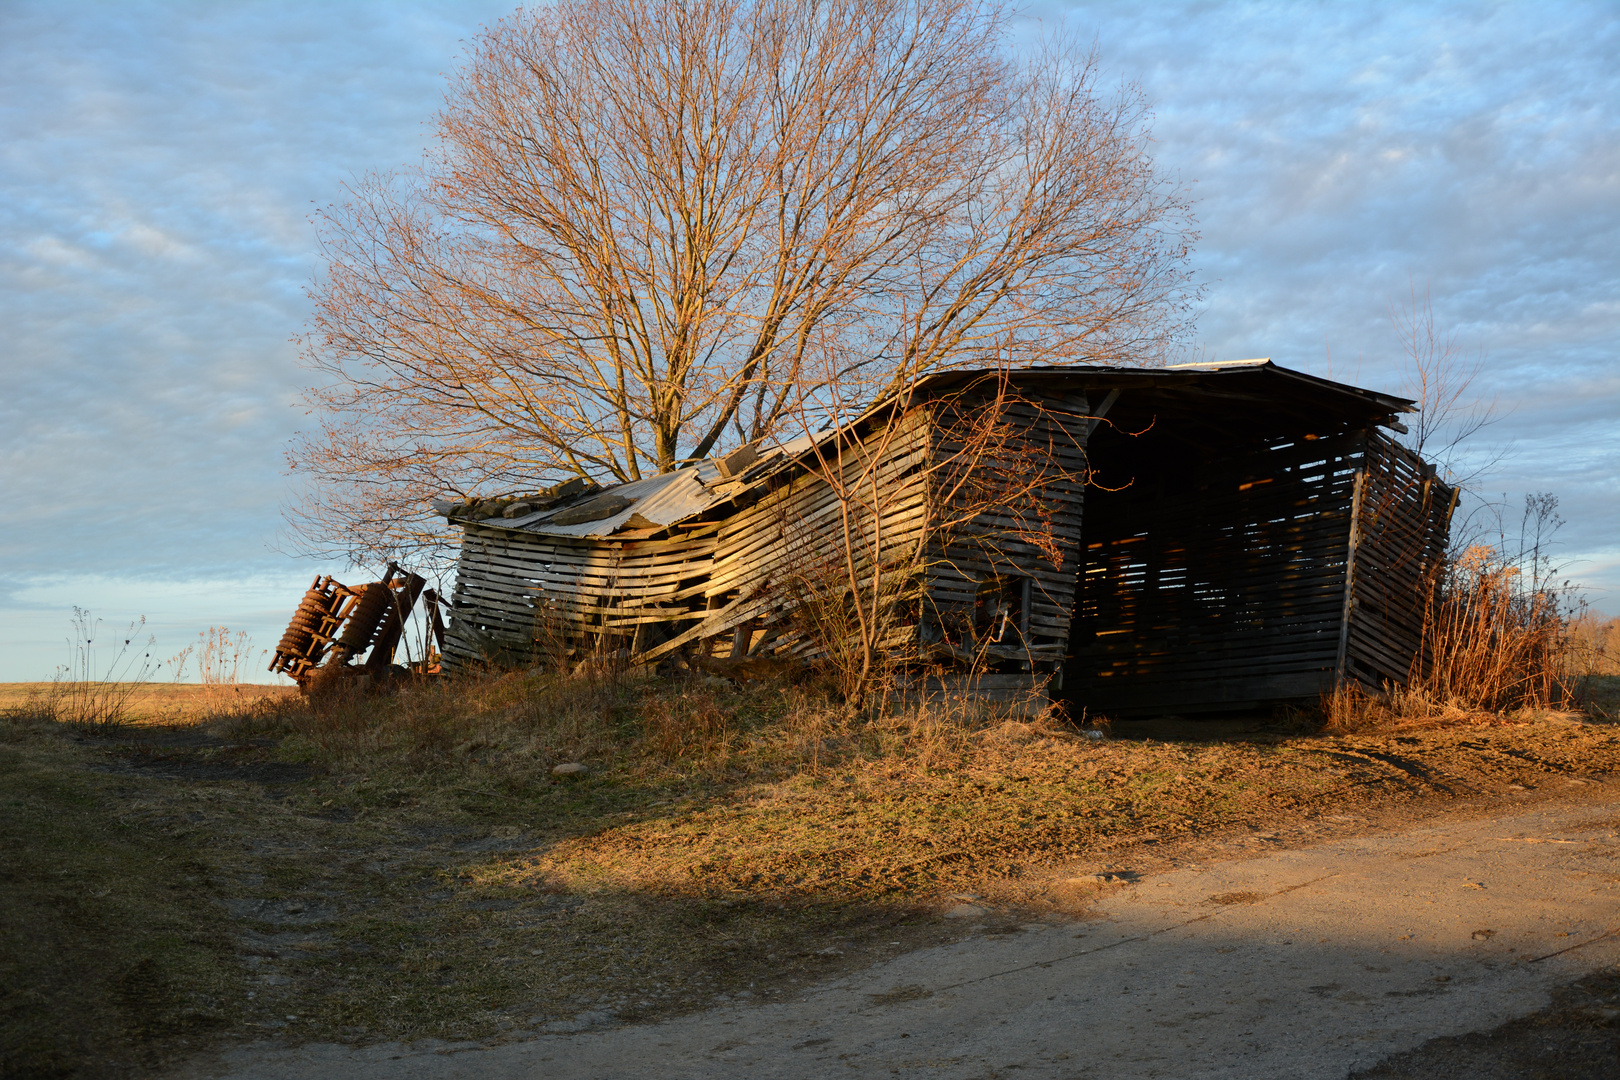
x=661, y=499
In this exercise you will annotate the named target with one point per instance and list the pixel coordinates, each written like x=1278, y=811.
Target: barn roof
x=654, y=503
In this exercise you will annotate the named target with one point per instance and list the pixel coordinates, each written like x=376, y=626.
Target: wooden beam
x=1102, y=412
x=1349, y=578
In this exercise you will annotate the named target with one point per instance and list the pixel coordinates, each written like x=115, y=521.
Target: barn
x=1212, y=536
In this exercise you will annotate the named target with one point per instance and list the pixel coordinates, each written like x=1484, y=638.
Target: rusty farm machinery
x=336, y=624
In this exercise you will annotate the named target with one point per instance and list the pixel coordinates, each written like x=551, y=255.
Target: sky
x=160, y=163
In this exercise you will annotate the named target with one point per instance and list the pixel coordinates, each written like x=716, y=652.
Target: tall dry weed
x=1493, y=638
x=87, y=693
x=1496, y=640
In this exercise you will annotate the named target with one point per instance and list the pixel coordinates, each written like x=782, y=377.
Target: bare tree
x=1440, y=379
x=641, y=220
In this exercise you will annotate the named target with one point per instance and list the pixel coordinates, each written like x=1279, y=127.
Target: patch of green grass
x=108, y=942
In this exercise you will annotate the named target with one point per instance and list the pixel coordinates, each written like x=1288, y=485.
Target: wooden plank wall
x=796, y=528
x=1402, y=530
x=1223, y=583
x=697, y=587
x=514, y=589
x=796, y=531
x=730, y=580
x=1054, y=433
x=1219, y=583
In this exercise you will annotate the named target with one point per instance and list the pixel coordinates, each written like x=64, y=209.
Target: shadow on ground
x=1576, y=1038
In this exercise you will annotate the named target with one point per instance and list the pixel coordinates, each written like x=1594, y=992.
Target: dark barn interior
x=1252, y=537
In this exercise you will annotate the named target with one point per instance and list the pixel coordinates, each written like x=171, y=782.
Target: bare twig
x=1440, y=379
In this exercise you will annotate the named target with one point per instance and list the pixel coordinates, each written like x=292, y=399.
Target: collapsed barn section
x=1208, y=536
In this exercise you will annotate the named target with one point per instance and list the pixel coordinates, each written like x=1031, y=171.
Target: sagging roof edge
x=695, y=489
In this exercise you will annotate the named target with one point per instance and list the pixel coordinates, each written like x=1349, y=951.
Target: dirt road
x=1303, y=963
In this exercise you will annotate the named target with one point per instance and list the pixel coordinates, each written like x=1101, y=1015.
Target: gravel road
x=1300, y=964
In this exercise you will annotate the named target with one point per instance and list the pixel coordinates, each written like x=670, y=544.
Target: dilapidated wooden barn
x=1218, y=536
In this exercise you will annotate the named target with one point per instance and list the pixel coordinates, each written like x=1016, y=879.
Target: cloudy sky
x=159, y=163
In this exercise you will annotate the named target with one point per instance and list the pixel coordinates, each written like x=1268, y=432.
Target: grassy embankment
x=408, y=865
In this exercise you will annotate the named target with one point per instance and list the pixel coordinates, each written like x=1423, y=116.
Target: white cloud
x=158, y=165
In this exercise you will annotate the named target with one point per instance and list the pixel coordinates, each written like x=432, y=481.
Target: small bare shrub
x=85, y=693
x=220, y=656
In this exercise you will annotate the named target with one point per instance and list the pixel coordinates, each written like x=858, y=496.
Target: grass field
x=148, y=703
x=409, y=865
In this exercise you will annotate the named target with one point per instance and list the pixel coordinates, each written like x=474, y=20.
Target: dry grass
x=407, y=865
x=1492, y=640
x=1497, y=647
x=112, y=955
x=1351, y=710
x=143, y=704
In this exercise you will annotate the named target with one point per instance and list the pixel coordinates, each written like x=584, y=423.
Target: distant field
x=158, y=702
